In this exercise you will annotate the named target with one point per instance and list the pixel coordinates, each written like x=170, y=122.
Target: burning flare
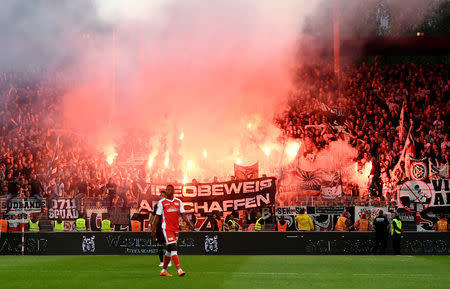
x=111, y=154
x=166, y=160
x=110, y=160
x=292, y=148
x=189, y=165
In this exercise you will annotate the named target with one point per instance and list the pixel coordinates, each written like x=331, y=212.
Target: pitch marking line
x=313, y=273
x=233, y=273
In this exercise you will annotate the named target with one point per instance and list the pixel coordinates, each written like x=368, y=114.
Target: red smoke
x=206, y=73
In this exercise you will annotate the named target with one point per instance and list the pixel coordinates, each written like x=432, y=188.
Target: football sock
x=175, y=259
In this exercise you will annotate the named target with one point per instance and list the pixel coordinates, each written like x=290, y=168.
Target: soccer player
x=170, y=209
x=159, y=233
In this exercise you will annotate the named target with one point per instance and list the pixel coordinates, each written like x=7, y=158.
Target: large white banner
x=416, y=196
x=21, y=209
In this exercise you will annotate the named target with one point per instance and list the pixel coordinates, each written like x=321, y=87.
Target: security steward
x=363, y=225
x=106, y=223
x=381, y=225
x=282, y=225
x=3, y=225
x=343, y=223
x=304, y=222
x=231, y=224
x=33, y=224
x=135, y=225
x=80, y=224
x=219, y=223
x=396, y=233
x=260, y=222
x=58, y=225
x=441, y=225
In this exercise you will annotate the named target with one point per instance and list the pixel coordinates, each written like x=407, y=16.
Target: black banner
x=215, y=197
x=64, y=207
x=221, y=243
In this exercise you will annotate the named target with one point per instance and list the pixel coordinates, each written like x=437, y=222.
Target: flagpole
x=404, y=145
x=401, y=122
x=23, y=226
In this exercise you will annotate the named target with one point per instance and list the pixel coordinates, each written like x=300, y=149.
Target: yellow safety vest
x=34, y=226
x=397, y=230
x=106, y=225
x=80, y=225
x=59, y=227
x=258, y=225
x=233, y=226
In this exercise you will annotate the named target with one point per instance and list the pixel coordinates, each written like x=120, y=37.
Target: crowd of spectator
x=38, y=157
x=364, y=107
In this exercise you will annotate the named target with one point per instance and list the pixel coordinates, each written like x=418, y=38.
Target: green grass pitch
x=66, y=272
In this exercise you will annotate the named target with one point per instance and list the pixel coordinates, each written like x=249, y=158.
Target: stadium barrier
x=220, y=243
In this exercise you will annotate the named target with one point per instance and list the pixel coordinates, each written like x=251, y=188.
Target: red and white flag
x=402, y=168
x=246, y=172
x=409, y=152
